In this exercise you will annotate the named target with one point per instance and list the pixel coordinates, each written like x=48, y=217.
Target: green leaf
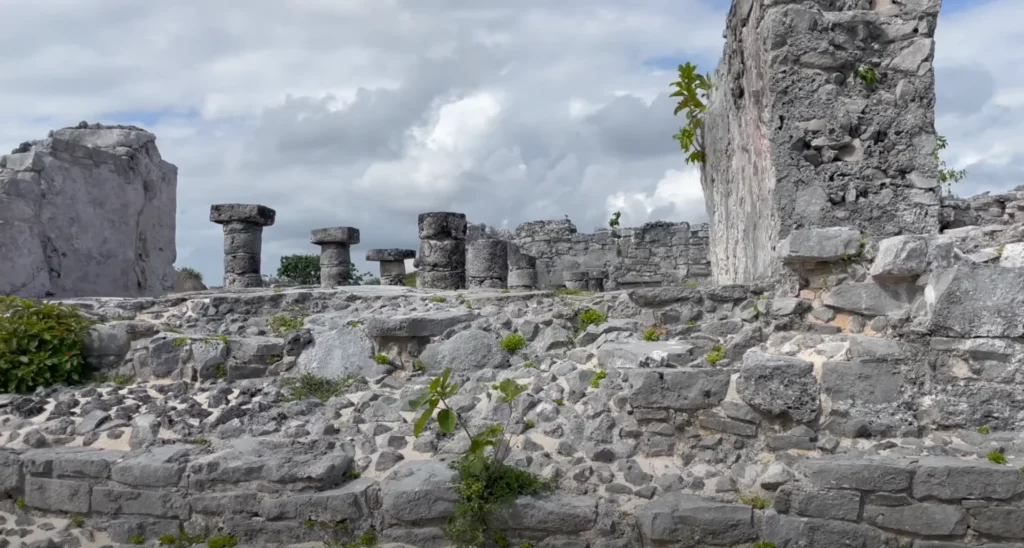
x=446, y=419
x=421, y=422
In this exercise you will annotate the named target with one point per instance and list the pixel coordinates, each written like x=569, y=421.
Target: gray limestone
x=392, y=264
x=819, y=118
x=522, y=268
x=243, y=241
x=442, y=256
x=487, y=264
x=335, y=253
x=88, y=211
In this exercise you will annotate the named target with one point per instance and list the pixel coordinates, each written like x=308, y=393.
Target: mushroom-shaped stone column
x=442, y=256
x=243, y=241
x=522, y=269
x=335, y=255
x=487, y=264
x=392, y=264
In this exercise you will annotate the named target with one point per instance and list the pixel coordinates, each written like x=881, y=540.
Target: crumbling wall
x=658, y=253
x=88, y=211
x=822, y=115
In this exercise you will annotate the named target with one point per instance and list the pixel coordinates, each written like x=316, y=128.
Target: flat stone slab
x=819, y=245
x=978, y=301
x=335, y=235
x=381, y=255
x=629, y=354
x=429, y=324
x=242, y=213
x=691, y=521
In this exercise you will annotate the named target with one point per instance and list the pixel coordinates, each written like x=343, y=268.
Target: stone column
x=243, y=241
x=575, y=279
x=522, y=269
x=392, y=264
x=335, y=253
x=487, y=264
x=442, y=256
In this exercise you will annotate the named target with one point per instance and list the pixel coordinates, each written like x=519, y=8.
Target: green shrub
x=996, y=456
x=693, y=91
x=138, y=539
x=300, y=269
x=530, y=365
x=651, y=334
x=40, y=344
x=191, y=272
x=437, y=299
x=513, y=342
x=485, y=481
x=984, y=430
x=764, y=544
x=716, y=355
x=601, y=375
x=223, y=541
x=755, y=501
x=308, y=386
x=282, y=324
x=591, y=317
x=382, y=359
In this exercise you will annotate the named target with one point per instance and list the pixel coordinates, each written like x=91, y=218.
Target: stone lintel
x=242, y=213
x=335, y=235
x=390, y=255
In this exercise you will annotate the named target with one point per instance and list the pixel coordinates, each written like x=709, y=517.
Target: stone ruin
x=862, y=388
x=88, y=211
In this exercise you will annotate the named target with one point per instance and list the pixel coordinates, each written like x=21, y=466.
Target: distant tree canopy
x=305, y=270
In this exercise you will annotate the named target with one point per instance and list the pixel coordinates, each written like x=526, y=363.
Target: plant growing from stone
x=485, y=482
x=868, y=75
x=599, y=376
x=308, y=386
x=513, y=342
x=947, y=176
x=693, y=91
x=614, y=221
x=651, y=334
x=40, y=344
x=716, y=355
x=191, y=272
x=996, y=456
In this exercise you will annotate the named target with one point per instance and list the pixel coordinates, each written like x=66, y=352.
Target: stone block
x=900, y=257
x=792, y=531
x=335, y=235
x=862, y=382
x=1013, y=255
x=442, y=225
x=999, y=521
x=682, y=389
x=419, y=491
x=487, y=259
x=688, y=521
x=238, y=502
x=871, y=299
x=352, y=501
x=779, y=386
x=161, y=466
x=951, y=479
x=922, y=519
x=826, y=504
x=863, y=475
x=426, y=324
x=469, y=350
x=12, y=476
x=820, y=245
x=71, y=462
x=157, y=504
x=242, y=213
x=441, y=279
x=57, y=495
x=556, y=513
x=978, y=301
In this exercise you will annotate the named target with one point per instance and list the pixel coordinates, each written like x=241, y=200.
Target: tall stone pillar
x=442, y=257
x=243, y=241
x=522, y=269
x=392, y=264
x=820, y=116
x=335, y=253
x=487, y=264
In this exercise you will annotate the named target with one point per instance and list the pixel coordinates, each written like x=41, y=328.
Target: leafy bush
x=40, y=344
x=513, y=342
x=485, y=481
x=716, y=355
x=300, y=269
x=651, y=334
x=591, y=317
x=191, y=272
x=693, y=90
x=308, y=386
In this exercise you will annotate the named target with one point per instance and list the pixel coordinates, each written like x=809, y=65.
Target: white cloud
x=368, y=112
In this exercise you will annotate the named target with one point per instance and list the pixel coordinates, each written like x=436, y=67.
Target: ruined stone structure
x=392, y=264
x=658, y=253
x=442, y=257
x=88, y=211
x=487, y=264
x=243, y=241
x=335, y=253
x=822, y=114
x=522, y=268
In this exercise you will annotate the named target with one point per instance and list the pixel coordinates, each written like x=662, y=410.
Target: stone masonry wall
x=88, y=211
x=658, y=253
x=822, y=115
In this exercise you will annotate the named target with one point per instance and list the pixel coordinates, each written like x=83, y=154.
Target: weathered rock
x=978, y=301
x=779, y=386
x=470, y=350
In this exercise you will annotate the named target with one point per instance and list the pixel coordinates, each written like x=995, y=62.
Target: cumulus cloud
x=368, y=112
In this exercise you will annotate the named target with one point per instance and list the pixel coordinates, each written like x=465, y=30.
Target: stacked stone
x=243, y=241
x=487, y=264
x=595, y=280
x=392, y=264
x=522, y=269
x=442, y=257
x=335, y=253
x=575, y=279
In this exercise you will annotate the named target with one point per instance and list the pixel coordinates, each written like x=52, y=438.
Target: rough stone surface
x=89, y=211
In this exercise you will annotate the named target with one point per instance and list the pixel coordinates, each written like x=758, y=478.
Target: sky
x=366, y=113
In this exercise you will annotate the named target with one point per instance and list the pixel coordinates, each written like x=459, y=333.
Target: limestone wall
x=822, y=115
x=88, y=211
x=658, y=253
